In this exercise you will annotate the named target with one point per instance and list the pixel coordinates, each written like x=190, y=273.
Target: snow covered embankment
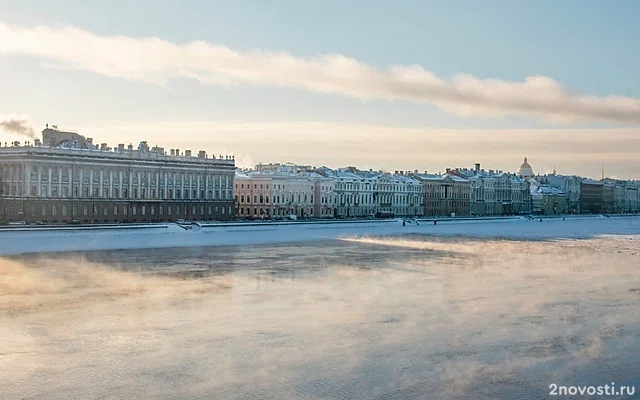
x=26, y=241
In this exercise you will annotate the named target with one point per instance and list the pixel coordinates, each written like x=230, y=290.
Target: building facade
x=591, y=196
x=548, y=200
x=570, y=185
x=69, y=180
x=445, y=195
x=269, y=195
x=496, y=192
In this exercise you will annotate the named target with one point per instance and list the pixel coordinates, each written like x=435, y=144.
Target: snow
x=23, y=241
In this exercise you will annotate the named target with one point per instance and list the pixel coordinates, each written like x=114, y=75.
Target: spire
x=554, y=169
x=603, y=171
x=525, y=159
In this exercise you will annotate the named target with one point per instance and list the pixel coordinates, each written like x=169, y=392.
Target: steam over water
x=363, y=318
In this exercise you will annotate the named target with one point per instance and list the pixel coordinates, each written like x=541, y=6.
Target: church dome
x=525, y=169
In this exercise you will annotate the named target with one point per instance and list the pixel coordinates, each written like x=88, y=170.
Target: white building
x=65, y=178
x=497, y=192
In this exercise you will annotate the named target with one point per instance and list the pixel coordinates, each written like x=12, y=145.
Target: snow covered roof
x=437, y=177
x=591, y=181
x=545, y=190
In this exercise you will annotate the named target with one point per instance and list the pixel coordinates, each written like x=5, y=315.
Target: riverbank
x=47, y=240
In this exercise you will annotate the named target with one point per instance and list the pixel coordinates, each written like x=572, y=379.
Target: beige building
x=548, y=200
x=445, y=195
x=279, y=195
x=496, y=192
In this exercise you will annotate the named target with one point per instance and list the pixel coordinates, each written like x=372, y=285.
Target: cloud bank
x=157, y=61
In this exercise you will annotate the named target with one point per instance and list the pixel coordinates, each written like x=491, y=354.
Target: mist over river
x=392, y=317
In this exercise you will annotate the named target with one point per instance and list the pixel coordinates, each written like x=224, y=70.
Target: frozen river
x=390, y=317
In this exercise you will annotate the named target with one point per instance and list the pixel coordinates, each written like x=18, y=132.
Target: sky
x=403, y=85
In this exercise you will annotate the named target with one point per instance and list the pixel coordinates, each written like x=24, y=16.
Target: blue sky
x=586, y=46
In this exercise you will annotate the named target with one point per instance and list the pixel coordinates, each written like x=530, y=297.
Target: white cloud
x=157, y=61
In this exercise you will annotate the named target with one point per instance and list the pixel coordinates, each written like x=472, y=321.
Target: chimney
x=177, y=152
x=103, y=146
x=172, y=152
x=187, y=153
x=120, y=147
x=202, y=154
x=477, y=167
x=448, y=170
x=37, y=142
x=90, y=140
x=130, y=146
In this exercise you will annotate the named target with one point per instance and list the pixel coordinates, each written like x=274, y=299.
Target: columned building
x=445, y=195
x=497, y=192
x=67, y=179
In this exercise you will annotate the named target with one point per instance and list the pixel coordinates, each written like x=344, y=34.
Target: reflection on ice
x=387, y=317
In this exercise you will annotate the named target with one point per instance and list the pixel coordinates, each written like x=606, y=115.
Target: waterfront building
x=358, y=193
x=369, y=193
x=548, y=200
x=591, y=196
x=496, y=192
x=445, y=195
x=65, y=178
x=282, y=193
x=408, y=198
x=570, y=185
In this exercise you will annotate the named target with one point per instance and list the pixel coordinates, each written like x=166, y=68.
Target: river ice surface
x=362, y=317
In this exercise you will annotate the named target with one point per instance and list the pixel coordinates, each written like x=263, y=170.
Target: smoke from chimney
x=19, y=127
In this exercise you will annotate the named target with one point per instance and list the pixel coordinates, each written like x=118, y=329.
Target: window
x=64, y=210
x=144, y=210
x=133, y=210
x=85, y=210
x=115, y=210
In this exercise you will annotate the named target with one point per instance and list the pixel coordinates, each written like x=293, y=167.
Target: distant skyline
x=405, y=85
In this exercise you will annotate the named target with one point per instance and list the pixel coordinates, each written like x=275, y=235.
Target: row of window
x=266, y=186
x=97, y=210
x=135, y=193
x=87, y=175
x=276, y=199
x=280, y=212
x=378, y=187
